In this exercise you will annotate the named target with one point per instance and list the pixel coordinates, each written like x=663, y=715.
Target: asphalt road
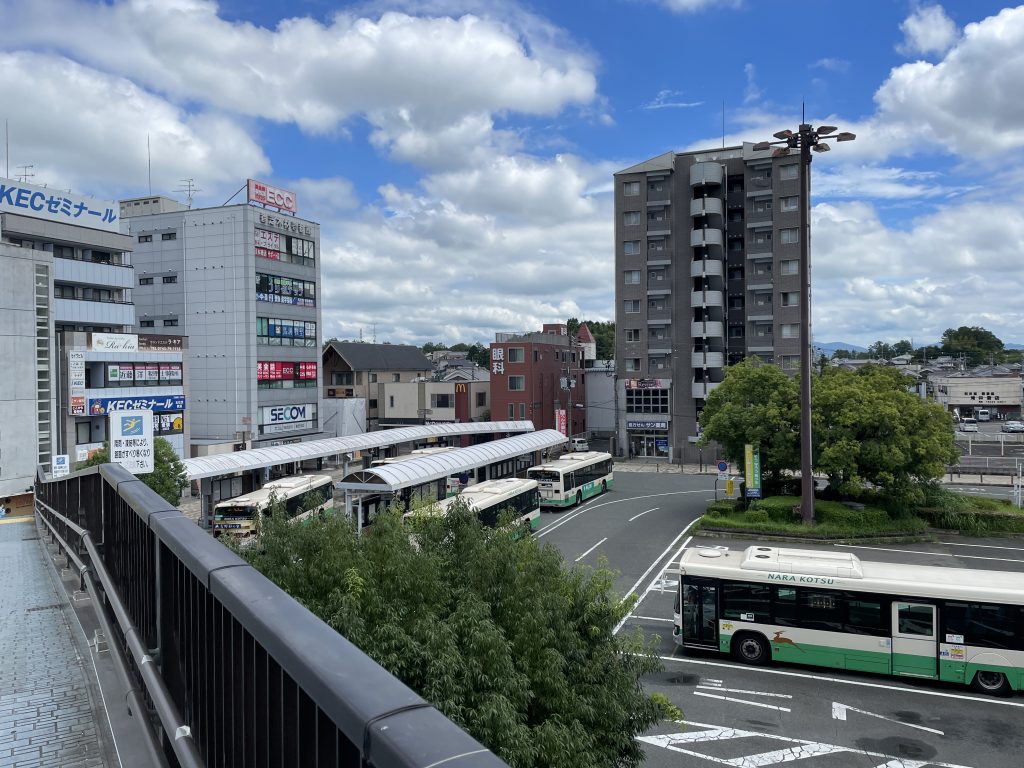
x=747, y=716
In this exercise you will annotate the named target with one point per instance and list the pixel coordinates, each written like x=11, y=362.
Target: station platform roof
x=259, y=458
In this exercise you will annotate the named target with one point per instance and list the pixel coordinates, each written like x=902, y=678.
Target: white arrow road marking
x=634, y=517
x=839, y=713
x=602, y=541
x=748, y=693
x=742, y=701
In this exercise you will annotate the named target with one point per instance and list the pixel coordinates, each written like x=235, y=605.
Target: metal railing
x=223, y=667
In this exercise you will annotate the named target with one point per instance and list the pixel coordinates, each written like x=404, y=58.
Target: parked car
x=1013, y=426
x=578, y=444
x=968, y=425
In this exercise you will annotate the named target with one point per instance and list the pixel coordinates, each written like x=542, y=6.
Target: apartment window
x=516, y=383
x=788, y=204
x=631, y=188
x=735, y=273
x=790, y=330
x=763, y=206
x=631, y=306
x=511, y=411
x=145, y=238
x=632, y=334
x=763, y=237
x=789, y=236
x=396, y=377
x=790, y=362
x=170, y=279
x=735, y=331
x=371, y=378
x=631, y=247
x=735, y=302
x=145, y=281
x=790, y=298
x=515, y=355
x=391, y=401
x=481, y=399
x=170, y=322
x=632, y=276
x=789, y=172
x=631, y=218
x=632, y=364
x=442, y=400
x=655, y=246
x=522, y=411
x=789, y=267
x=169, y=236
x=146, y=323
x=655, y=186
x=343, y=378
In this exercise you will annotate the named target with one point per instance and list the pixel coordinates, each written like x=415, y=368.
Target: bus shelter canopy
x=260, y=458
x=390, y=478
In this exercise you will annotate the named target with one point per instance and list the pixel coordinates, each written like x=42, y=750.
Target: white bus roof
x=489, y=492
x=844, y=570
x=284, y=484
x=569, y=461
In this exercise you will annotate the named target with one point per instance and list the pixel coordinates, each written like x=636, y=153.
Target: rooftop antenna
x=189, y=188
x=26, y=173
x=374, y=327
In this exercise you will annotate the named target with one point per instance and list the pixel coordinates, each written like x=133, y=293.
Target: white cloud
x=875, y=181
x=832, y=65
x=695, y=6
x=751, y=93
x=928, y=30
x=667, y=99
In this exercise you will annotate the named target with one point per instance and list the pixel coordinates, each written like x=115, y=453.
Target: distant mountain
x=829, y=347
x=1009, y=345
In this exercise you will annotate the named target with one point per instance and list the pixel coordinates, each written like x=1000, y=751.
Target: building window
x=516, y=383
x=632, y=334
x=396, y=377
x=285, y=333
x=631, y=248
x=522, y=411
x=631, y=188
x=391, y=401
x=442, y=400
x=790, y=362
x=511, y=412
x=735, y=302
x=790, y=298
x=790, y=330
x=145, y=281
x=342, y=378
x=763, y=237
x=373, y=404
x=170, y=322
x=170, y=278
x=735, y=331
x=647, y=400
x=762, y=206
x=735, y=273
x=632, y=276
x=481, y=399
x=655, y=246
x=285, y=290
x=371, y=378
x=788, y=204
x=169, y=236
x=515, y=355
x=632, y=364
x=146, y=323
x=631, y=306
x=789, y=172
x=145, y=238
x=789, y=267
x=82, y=433
x=789, y=236
x=631, y=218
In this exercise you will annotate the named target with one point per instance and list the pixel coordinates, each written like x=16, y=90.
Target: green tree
x=495, y=632
x=869, y=428
x=168, y=476
x=976, y=344
x=603, y=333
x=757, y=404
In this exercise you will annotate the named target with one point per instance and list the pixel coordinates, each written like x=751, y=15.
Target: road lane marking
x=839, y=713
x=981, y=546
x=861, y=683
x=742, y=701
x=602, y=541
x=634, y=517
x=933, y=554
x=652, y=618
x=748, y=693
x=547, y=529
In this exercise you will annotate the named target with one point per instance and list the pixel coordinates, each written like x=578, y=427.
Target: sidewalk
x=51, y=712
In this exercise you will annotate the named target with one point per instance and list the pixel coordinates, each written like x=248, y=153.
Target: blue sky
x=459, y=155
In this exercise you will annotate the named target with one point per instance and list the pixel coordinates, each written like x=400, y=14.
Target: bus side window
x=784, y=607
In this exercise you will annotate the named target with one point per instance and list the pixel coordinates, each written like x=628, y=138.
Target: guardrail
x=234, y=671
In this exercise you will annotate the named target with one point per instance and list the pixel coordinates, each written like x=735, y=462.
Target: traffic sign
x=723, y=466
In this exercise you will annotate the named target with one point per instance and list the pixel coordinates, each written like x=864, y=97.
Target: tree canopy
x=603, y=333
x=495, y=632
x=976, y=344
x=168, y=476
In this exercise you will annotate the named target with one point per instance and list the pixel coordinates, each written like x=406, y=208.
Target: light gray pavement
x=51, y=713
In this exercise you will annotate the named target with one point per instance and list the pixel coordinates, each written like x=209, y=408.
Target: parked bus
x=572, y=477
x=237, y=516
x=492, y=497
x=832, y=609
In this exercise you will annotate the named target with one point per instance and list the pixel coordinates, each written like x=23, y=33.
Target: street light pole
x=805, y=139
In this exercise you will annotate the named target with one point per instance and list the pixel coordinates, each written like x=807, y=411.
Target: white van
x=968, y=425
x=578, y=444
x=983, y=414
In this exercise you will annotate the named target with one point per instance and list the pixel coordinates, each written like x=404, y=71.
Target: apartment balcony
x=659, y=348
x=707, y=299
x=659, y=316
x=760, y=221
x=761, y=346
x=93, y=273
x=652, y=292
x=704, y=359
x=763, y=284
x=659, y=228
x=759, y=315
x=706, y=237
x=761, y=255
x=83, y=312
x=706, y=173
x=711, y=329
x=701, y=389
x=707, y=268
x=706, y=206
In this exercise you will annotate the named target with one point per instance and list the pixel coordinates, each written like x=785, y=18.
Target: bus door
x=914, y=639
x=700, y=613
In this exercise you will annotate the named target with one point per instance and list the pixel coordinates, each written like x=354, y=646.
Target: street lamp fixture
x=805, y=139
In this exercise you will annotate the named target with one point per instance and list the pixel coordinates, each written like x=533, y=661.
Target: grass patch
x=970, y=515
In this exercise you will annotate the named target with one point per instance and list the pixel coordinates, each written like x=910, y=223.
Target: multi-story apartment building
x=243, y=283
x=64, y=266
x=707, y=258
x=539, y=376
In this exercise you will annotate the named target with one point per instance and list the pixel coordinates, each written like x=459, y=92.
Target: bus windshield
x=236, y=512
x=546, y=475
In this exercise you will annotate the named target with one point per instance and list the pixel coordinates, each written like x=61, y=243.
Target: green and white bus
x=237, y=517
x=832, y=609
x=492, y=497
x=572, y=477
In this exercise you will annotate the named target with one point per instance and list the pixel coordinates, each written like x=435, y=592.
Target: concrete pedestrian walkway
x=51, y=712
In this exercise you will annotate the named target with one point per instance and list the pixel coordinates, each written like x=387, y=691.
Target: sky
x=459, y=155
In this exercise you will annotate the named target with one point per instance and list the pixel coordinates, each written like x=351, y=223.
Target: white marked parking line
x=742, y=701
x=634, y=517
x=602, y=541
x=839, y=713
x=784, y=755
x=749, y=693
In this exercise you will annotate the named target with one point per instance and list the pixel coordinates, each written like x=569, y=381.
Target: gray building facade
x=707, y=258
x=243, y=284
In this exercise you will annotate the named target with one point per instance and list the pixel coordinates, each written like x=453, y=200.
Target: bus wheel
x=993, y=683
x=579, y=498
x=750, y=648
x=604, y=486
